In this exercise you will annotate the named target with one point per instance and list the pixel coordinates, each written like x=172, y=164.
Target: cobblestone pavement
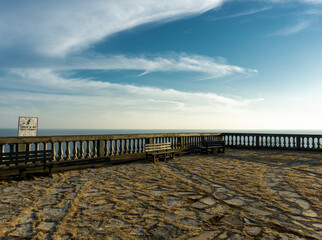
x=236, y=195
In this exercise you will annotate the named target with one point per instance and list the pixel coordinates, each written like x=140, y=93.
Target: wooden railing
x=112, y=147
x=274, y=141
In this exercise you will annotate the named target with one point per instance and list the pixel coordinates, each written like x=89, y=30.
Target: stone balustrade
x=114, y=147
x=13, y=150
x=274, y=141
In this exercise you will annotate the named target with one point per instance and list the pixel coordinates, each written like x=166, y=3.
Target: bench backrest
x=215, y=143
x=25, y=158
x=152, y=147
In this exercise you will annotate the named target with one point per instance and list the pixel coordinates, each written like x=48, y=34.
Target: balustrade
x=111, y=146
x=275, y=141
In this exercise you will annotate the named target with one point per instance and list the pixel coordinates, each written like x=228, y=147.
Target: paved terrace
x=242, y=194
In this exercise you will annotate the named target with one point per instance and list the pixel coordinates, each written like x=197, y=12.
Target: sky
x=147, y=64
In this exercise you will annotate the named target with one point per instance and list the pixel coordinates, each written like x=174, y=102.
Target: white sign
x=27, y=126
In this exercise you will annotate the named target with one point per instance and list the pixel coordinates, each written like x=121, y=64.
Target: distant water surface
x=11, y=132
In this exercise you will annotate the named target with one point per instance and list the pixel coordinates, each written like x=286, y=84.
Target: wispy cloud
x=34, y=79
x=241, y=14
x=108, y=103
x=293, y=29
x=172, y=62
x=60, y=27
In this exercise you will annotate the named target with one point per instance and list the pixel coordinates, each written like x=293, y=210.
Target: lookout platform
x=242, y=194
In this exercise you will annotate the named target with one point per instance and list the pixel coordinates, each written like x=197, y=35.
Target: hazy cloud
x=33, y=79
x=72, y=100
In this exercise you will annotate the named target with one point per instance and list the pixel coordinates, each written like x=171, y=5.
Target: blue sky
x=183, y=64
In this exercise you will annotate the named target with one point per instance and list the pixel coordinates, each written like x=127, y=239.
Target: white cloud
x=170, y=63
x=240, y=14
x=211, y=67
x=55, y=28
x=102, y=103
x=293, y=29
x=34, y=78
x=58, y=27
x=83, y=103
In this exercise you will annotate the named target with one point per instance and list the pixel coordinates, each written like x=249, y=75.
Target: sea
x=12, y=132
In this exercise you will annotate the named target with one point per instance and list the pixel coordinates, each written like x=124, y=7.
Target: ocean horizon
x=12, y=132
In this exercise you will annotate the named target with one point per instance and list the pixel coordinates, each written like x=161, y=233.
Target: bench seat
x=159, y=150
x=210, y=146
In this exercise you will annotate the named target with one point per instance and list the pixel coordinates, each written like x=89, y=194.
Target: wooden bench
x=24, y=161
x=157, y=150
x=212, y=145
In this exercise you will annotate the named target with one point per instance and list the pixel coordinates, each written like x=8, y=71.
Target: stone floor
x=240, y=194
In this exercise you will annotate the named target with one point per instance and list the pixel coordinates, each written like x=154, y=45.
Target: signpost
x=27, y=126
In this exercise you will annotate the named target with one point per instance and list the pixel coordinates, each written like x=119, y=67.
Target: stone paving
x=240, y=194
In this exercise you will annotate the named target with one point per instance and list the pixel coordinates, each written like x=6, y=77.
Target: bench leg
x=155, y=159
x=22, y=173
x=50, y=174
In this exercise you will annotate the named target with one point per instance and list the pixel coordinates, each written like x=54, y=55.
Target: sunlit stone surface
x=240, y=194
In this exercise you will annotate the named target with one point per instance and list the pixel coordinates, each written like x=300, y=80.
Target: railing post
x=45, y=153
x=257, y=141
x=74, y=150
x=180, y=142
x=21, y=147
x=60, y=150
x=54, y=150
x=101, y=148
x=67, y=152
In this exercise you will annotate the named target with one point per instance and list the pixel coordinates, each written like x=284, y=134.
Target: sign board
x=27, y=126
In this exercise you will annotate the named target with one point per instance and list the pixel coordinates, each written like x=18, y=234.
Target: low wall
x=131, y=146
x=113, y=147
x=274, y=141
